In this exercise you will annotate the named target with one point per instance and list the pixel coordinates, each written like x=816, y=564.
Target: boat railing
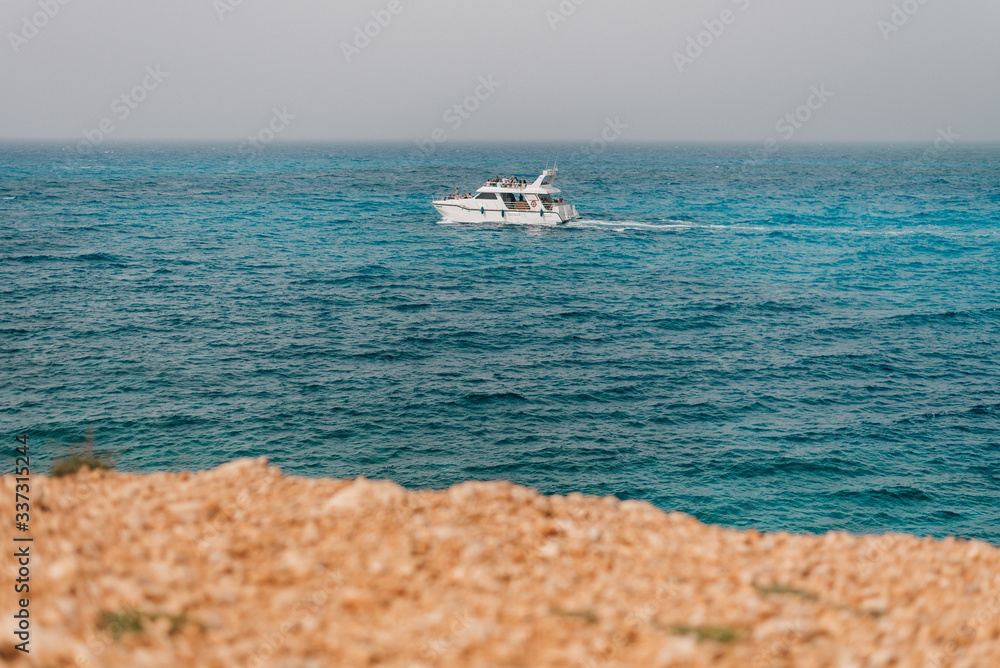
x=526, y=206
x=512, y=186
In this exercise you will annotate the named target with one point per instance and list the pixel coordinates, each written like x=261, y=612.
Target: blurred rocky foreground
x=244, y=566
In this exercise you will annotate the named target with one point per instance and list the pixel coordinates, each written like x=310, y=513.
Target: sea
x=803, y=339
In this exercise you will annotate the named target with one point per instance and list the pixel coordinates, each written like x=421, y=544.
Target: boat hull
x=469, y=211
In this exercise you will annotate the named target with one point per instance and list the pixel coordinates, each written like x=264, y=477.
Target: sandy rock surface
x=243, y=566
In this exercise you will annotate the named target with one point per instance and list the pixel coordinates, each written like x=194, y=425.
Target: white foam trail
x=666, y=226
x=671, y=225
x=626, y=224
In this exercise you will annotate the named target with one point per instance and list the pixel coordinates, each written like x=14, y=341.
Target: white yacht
x=512, y=199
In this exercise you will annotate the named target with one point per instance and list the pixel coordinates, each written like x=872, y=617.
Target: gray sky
x=562, y=73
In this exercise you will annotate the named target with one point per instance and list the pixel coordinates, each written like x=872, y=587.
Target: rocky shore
x=244, y=566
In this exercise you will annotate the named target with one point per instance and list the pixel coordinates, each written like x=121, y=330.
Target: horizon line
x=507, y=142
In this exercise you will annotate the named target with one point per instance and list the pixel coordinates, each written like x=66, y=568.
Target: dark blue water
x=807, y=343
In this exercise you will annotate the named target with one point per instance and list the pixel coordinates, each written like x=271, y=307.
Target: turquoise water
x=805, y=343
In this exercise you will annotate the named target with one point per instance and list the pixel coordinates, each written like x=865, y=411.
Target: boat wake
x=677, y=226
x=665, y=225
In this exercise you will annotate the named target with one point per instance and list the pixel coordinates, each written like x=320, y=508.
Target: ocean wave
x=904, y=494
x=952, y=318
x=482, y=398
x=408, y=308
x=87, y=257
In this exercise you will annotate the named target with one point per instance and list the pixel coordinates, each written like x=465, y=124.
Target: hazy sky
x=221, y=69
